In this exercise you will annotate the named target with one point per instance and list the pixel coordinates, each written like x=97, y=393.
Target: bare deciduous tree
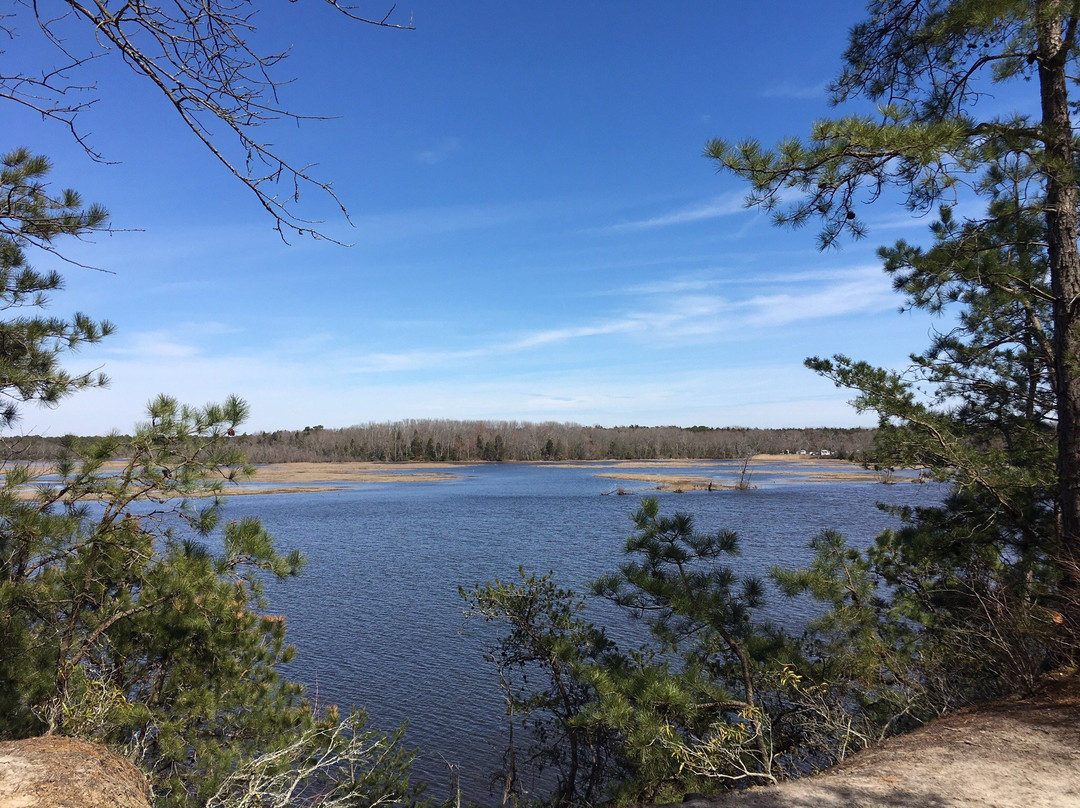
x=199, y=54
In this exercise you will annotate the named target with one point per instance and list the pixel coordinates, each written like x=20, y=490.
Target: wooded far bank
x=463, y=441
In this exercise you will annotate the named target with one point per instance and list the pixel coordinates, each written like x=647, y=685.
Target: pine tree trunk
x=1062, y=232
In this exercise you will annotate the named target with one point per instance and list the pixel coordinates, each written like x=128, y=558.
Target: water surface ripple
x=377, y=618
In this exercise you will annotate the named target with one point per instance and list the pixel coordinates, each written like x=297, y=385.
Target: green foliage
x=31, y=346
x=977, y=406
x=631, y=725
x=861, y=648
x=925, y=64
x=543, y=660
x=699, y=683
x=978, y=574
x=659, y=712
x=962, y=601
x=677, y=582
x=905, y=633
x=29, y=212
x=993, y=405
x=130, y=613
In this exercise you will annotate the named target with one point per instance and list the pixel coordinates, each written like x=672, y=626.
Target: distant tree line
x=458, y=441
x=471, y=441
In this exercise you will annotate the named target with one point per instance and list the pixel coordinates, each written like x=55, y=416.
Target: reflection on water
x=377, y=618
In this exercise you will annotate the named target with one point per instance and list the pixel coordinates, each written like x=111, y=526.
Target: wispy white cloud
x=677, y=314
x=812, y=295
x=496, y=345
x=439, y=151
x=859, y=295
x=161, y=344
x=726, y=279
x=919, y=223
x=822, y=274
x=665, y=287
x=557, y=335
x=391, y=362
x=207, y=328
x=715, y=209
x=801, y=92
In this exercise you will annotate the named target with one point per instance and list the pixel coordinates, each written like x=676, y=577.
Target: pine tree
x=31, y=345
x=680, y=713
x=700, y=681
x=927, y=64
x=130, y=613
x=542, y=660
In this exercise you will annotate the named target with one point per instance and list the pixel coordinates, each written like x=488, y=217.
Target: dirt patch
x=671, y=482
x=762, y=468
x=305, y=478
x=853, y=475
x=291, y=478
x=794, y=458
x=302, y=478
x=684, y=462
x=68, y=773
x=665, y=464
x=352, y=473
x=1017, y=753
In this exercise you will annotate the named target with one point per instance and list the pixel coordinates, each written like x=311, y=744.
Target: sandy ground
x=668, y=482
x=304, y=472
x=663, y=475
x=308, y=477
x=54, y=772
x=678, y=482
x=840, y=471
x=680, y=462
x=1017, y=753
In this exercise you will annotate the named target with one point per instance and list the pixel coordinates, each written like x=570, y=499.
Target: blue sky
x=537, y=234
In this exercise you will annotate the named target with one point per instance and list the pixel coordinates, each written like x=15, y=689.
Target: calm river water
x=377, y=617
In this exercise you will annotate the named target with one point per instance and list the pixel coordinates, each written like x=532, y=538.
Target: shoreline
x=663, y=475
x=337, y=475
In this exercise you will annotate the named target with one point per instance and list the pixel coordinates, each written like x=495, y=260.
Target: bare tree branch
x=199, y=55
